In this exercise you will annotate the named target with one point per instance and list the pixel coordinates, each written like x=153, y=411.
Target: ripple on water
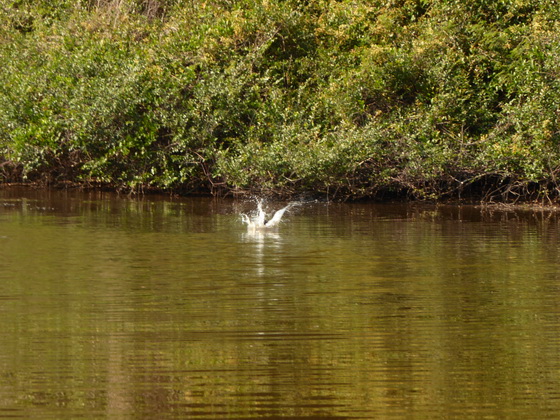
x=157, y=308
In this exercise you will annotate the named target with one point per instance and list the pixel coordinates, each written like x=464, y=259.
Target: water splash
x=258, y=220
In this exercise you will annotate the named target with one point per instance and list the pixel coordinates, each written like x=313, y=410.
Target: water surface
x=155, y=307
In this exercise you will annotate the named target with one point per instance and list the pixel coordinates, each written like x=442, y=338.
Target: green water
x=162, y=308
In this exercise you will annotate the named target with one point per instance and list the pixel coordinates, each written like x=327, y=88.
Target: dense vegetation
x=423, y=98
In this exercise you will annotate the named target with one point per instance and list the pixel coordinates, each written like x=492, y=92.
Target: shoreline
x=519, y=204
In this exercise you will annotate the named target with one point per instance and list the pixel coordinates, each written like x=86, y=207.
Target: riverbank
x=476, y=203
x=432, y=100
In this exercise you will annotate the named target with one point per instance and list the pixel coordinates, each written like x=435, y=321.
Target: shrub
x=349, y=99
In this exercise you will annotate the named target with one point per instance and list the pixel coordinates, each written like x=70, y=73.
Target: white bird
x=258, y=221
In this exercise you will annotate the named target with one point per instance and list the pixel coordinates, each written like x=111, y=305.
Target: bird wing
x=277, y=216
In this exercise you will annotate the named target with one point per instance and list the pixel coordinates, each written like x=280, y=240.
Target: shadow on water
x=170, y=308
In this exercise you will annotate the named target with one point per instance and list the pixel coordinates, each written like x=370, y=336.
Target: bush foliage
x=348, y=98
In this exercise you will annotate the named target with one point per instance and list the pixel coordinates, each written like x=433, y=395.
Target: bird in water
x=259, y=221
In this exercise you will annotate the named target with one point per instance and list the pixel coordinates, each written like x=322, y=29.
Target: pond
x=160, y=307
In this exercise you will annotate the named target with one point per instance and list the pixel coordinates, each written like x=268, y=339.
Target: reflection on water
x=158, y=308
